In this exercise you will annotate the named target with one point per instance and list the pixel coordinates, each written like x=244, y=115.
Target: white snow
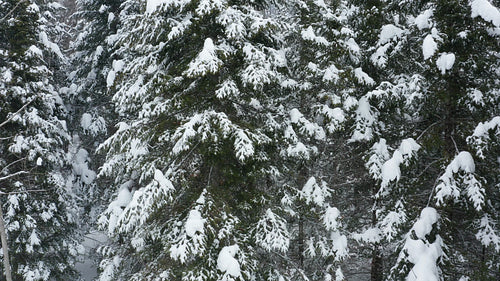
x=53, y=47
x=486, y=10
x=310, y=128
x=388, y=33
x=117, y=67
x=483, y=128
x=243, y=145
x=422, y=254
x=86, y=121
x=194, y=223
x=152, y=5
x=445, y=62
x=207, y=6
x=164, y=183
x=330, y=219
x=309, y=34
x=480, y=138
x=111, y=17
x=86, y=265
x=371, y=235
x=34, y=51
x=408, y=147
x=206, y=61
x=124, y=196
x=353, y=46
x=463, y=161
x=298, y=150
x=80, y=166
x=380, y=154
x=228, y=89
x=364, y=120
x=429, y=46
x=450, y=183
x=110, y=79
x=487, y=234
x=295, y=115
x=272, y=232
x=363, y=77
x=423, y=226
x=331, y=74
x=7, y=75
x=314, y=192
x=339, y=245
x=227, y=263
x=115, y=208
x=34, y=240
x=422, y=21
x=390, y=169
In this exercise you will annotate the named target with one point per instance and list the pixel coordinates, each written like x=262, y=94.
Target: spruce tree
x=200, y=93
x=37, y=202
x=437, y=68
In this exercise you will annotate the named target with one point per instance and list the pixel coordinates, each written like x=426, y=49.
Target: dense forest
x=250, y=140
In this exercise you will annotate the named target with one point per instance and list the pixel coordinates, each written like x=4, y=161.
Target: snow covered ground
x=87, y=266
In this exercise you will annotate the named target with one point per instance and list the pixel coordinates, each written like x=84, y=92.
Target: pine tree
x=436, y=63
x=196, y=161
x=38, y=203
x=87, y=94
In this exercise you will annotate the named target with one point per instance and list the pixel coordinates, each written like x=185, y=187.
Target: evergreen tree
x=39, y=205
x=437, y=64
x=195, y=159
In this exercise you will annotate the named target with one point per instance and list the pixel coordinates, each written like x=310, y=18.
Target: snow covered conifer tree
x=37, y=202
x=87, y=97
x=326, y=62
x=439, y=77
x=200, y=90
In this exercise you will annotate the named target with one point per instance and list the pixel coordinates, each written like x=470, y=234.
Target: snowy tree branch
x=25, y=191
x=13, y=115
x=13, y=175
x=12, y=163
x=11, y=11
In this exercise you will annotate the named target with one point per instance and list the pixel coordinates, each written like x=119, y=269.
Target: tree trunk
x=377, y=266
x=377, y=260
x=301, y=242
x=5, y=248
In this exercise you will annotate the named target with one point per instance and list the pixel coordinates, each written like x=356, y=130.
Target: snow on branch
x=210, y=126
x=487, y=233
x=422, y=248
x=480, y=138
x=390, y=170
x=206, y=61
x=190, y=237
x=460, y=172
x=486, y=10
x=272, y=233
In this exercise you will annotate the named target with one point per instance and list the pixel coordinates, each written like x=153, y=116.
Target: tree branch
x=14, y=114
x=12, y=10
x=25, y=191
x=13, y=175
